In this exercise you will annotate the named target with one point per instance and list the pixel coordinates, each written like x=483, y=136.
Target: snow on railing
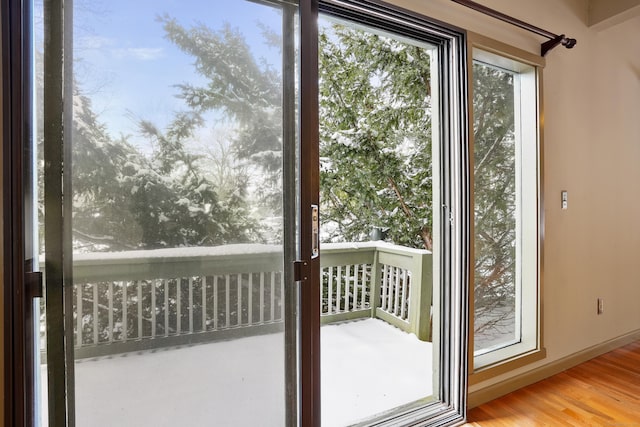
x=135, y=300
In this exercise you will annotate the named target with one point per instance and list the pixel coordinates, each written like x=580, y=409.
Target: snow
x=184, y=252
x=367, y=367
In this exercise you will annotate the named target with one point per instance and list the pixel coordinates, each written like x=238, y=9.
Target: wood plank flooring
x=604, y=391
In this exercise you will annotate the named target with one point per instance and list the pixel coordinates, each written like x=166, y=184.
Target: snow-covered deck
x=368, y=367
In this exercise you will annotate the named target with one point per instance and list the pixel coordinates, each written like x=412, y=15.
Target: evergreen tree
x=245, y=89
x=125, y=199
x=375, y=124
x=176, y=203
x=494, y=200
x=100, y=165
x=375, y=134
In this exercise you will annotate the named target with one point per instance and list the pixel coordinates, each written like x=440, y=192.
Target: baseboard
x=494, y=391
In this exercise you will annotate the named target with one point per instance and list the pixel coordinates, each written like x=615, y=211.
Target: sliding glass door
x=169, y=244
x=389, y=151
x=376, y=134
x=247, y=213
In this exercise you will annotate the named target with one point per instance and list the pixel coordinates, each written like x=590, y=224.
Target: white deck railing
x=145, y=299
x=377, y=279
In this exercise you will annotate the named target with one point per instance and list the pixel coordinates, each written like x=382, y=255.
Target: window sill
x=488, y=372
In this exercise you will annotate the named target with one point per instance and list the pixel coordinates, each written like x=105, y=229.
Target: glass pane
x=376, y=172
x=178, y=225
x=40, y=371
x=495, y=184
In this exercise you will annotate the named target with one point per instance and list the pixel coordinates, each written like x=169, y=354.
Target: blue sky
x=127, y=67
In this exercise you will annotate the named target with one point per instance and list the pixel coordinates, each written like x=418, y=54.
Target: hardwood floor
x=604, y=391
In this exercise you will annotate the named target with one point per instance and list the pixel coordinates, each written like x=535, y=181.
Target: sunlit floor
x=368, y=367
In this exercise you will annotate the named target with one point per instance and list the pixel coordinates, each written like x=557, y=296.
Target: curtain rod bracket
x=554, y=41
x=561, y=39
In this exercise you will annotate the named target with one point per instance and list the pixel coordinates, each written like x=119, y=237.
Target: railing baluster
x=351, y=295
x=125, y=310
x=338, y=288
x=79, y=316
x=383, y=305
x=191, y=304
x=390, y=290
x=165, y=285
x=239, y=299
x=347, y=287
x=153, y=308
x=203, y=281
x=281, y=297
x=178, y=306
x=404, y=294
x=322, y=288
x=389, y=287
x=110, y=315
x=250, y=299
x=355, y=286
x=396, y=290
x=273, y=296
x=364, y=287
x=215, y=302
x=330, y=290
x=227, y=305
x=95, y=313
x=262, y=297
x=139, y=283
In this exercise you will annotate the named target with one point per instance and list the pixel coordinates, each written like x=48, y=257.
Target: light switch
x=565, y=199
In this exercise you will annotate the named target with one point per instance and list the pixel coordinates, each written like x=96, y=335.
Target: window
x=505, y=194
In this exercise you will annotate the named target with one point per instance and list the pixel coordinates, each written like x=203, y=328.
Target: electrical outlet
x=600, y=305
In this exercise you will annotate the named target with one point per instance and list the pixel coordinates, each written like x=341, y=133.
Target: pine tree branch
x=103, y=240
x=424, y=232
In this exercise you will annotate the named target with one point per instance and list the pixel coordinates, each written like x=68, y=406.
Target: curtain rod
x=554, y=41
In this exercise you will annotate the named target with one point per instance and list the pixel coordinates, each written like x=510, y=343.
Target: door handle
x=315, y=232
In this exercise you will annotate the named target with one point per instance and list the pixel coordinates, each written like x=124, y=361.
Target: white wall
x=592, y=149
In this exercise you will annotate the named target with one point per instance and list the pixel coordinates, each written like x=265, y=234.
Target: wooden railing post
x=421, y=296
